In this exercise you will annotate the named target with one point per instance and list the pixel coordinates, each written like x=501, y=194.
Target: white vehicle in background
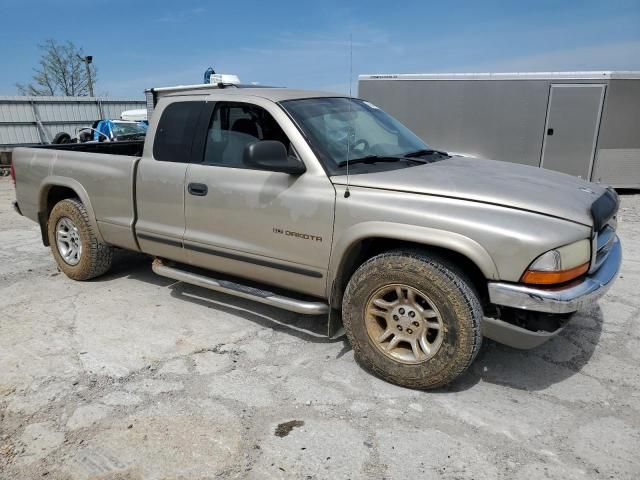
x=137, y=115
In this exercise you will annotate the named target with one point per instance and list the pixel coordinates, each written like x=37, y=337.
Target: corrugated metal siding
x=18, y=122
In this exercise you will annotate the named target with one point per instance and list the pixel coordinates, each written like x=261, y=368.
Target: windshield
x=121, y=129
x=339, y=126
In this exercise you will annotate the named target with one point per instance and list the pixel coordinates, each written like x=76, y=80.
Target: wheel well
x=55, y=194
x=370, y=247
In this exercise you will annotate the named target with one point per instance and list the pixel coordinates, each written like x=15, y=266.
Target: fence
x=36, y=120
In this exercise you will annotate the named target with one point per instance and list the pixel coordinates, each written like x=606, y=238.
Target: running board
x=239, y=290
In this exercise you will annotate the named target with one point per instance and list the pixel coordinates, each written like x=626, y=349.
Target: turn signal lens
x=552, y=278
x=559, y=265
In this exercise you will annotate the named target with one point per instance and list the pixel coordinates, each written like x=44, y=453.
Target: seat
x=229, y=148
x=243, y=132
x=246, y=126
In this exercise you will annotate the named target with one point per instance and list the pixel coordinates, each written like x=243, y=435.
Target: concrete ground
x=132, y=376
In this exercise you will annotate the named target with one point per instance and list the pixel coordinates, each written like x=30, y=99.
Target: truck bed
x=132, y=149
x=101, y=174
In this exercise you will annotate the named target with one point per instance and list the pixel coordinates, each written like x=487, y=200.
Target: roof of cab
x=275, y=94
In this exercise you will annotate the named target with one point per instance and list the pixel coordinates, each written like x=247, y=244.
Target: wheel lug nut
x=402, y=311
x=409, y=331
x=395, y=317
x=416, y=324
x=400, y=327
x=412, y=314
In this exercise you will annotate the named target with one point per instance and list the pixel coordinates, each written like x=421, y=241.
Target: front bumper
x=564, y=299
x=515, y=336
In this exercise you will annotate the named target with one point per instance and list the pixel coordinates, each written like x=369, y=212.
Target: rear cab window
x=175, y=132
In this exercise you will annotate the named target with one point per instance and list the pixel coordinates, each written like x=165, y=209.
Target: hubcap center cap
x=406, y=318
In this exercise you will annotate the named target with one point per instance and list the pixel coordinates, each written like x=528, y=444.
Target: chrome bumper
x=563, y=300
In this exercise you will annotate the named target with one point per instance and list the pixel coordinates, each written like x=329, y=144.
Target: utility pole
x=87, y=61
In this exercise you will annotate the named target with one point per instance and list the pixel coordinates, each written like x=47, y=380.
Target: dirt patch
x=284, y=429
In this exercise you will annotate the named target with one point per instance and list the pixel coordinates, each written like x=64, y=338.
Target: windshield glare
x=340, y=126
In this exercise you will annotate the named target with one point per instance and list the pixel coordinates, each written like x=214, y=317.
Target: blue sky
x=139, y=44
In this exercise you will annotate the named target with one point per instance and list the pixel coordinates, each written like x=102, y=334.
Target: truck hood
x=494, y=182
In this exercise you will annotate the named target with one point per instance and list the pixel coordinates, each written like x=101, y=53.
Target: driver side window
x=233, y=126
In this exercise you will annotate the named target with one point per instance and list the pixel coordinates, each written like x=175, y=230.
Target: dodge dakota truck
x=325, y=205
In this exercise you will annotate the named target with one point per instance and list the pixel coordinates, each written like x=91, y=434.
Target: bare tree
x=61, y=71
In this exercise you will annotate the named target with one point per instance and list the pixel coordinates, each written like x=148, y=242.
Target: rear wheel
x=75, y=247
x=413, y=319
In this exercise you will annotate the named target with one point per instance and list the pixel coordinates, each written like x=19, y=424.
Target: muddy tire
x=413, y=319
x=75, y=247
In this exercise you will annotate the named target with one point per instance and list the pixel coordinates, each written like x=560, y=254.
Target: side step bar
x=165, y=269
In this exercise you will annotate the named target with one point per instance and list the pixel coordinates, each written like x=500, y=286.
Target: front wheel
x=75, y=247
x=412, y=319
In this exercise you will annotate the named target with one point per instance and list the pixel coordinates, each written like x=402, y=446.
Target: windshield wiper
x=378, y=159
x=424, y=153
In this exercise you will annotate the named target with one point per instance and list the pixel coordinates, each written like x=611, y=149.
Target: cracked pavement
x=134, y=376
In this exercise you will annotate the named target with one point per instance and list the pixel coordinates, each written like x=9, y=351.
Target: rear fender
x=57, y=181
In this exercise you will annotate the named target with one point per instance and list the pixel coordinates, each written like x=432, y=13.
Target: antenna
x=347, y=193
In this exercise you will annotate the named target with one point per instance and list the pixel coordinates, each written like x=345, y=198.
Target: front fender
x=409, y=233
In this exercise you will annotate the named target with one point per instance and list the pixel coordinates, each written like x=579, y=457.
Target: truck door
x=160, y=180
x=271, y=227
x=571, y=130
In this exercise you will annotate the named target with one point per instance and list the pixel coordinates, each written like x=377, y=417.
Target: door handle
x=549, y=131
x=197, y=189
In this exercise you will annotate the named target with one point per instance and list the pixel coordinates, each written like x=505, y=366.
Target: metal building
x=36, y=120
x=586, y=124
x=28, y=121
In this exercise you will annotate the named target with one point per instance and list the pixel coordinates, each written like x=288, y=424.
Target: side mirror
x=272, y=155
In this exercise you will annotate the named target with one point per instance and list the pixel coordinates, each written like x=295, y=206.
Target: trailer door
x=571, y=130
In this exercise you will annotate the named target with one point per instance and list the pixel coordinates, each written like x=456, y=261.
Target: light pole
x=87, y=61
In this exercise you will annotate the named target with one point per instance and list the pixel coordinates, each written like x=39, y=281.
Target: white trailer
x=586, y=124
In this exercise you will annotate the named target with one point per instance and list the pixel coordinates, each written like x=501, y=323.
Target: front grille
x=602, y=244
x=604, y=208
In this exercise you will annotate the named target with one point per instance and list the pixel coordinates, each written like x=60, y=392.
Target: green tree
x=61, y=71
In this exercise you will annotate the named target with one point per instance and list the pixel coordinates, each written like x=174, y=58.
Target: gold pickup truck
x=325, y=205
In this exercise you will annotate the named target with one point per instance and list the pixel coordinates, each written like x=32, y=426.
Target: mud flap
x=43, y=219
x=335, y=329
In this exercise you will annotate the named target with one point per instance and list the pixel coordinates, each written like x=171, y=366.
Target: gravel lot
x=132, y=376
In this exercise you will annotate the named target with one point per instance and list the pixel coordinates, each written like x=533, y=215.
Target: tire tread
x=415, y=258
x=100, y=254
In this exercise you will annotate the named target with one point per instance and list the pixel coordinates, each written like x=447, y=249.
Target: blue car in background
x=106, y=130
x=118, y=130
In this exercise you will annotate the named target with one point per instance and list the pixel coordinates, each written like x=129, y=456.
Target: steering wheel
x=363, y=142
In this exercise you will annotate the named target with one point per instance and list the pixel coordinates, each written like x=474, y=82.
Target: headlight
x=560, y=264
